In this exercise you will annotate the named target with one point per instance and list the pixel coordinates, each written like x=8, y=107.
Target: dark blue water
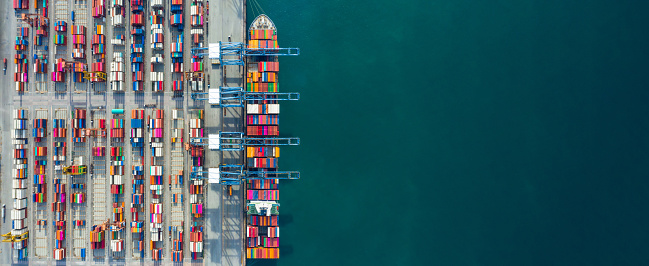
x=465, y=132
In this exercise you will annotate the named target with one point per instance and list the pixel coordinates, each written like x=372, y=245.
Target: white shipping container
x=19, y=141
x=193, y=198
x=18, y=214
x=117, y=20
x=20, y=203
x=196, y=246
x=19, y=183
x=18, y=224
x=156, y=3
x=272, y=108
x=117, y=180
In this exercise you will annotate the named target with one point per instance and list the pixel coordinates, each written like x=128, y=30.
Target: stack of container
x=60, y=27
x=137, y=5
x=97, y=237
x=137, y=181
x=137, y=44
x=39, y=131
x=22, y=37
x=156, y=228
x=117, y=130
x=58, y=75
x=197, y=82
x=40, y=64
x=197, y=64
x=116, y=238
x=197, y=15
x=19, y=180
x=21, y=4
x=77, y=71
x=177, y=54
x=117, y=170
x=156, y=136
x=98, y=10
x=20, y=74
x=196, y=241
x=157, y=80
x=157, y=30
x=196, y=35
x=59, y=133
x=196, y=184
x=41, y=30
x=98, y=49
x=78, y=42
x=79, y=125
x=137, y=130
x=117, y=72
x=117, y=13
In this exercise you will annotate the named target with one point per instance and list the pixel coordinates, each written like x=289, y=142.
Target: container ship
x=262, y=120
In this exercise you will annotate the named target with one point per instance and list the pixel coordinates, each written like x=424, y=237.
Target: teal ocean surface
x=465, y=132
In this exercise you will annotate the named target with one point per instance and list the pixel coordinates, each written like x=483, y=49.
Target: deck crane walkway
x=234, y=96
x=232, y=53
x=235, y=141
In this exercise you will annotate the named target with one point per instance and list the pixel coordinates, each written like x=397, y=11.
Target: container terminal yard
x=140, y=132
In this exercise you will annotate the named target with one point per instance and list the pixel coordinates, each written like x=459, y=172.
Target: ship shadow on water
x=285, y=219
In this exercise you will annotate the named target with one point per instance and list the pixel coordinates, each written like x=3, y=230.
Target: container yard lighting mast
x=235, y=141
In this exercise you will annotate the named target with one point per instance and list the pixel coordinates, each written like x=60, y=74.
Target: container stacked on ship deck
x=156, y=141
x=19, y=181
x=137, y=182
x=196, y=184
x=59, y=133
x=137, y=44
x=99, y=51
x=262, y=120
x=21, y=61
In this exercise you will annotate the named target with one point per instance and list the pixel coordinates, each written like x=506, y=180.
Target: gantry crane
x=11, y=237
x=236, y=141
x=234, y=96
x=232, y=53
x=234, y=174
x=98, y=74
x=34, y=19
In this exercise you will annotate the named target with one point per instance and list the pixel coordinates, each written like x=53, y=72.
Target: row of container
x=262, y=194
x=19, y=182
x=261, y=77
x=262, y=108
x=117, y=72
x=263, y=241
